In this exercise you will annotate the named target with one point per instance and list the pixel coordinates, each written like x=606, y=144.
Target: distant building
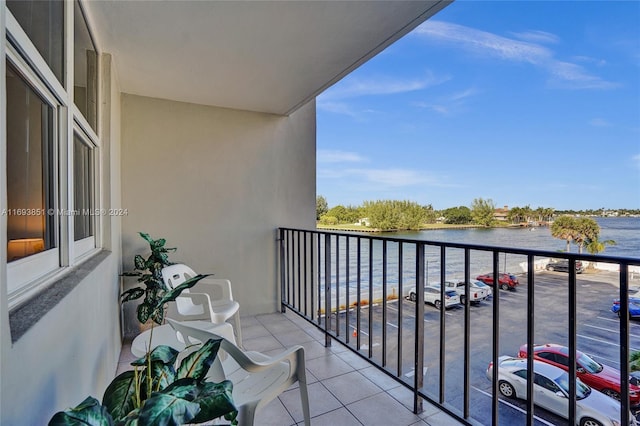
x=501, y=214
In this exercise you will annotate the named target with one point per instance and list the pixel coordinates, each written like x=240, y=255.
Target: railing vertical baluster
x=312, y=277
x=320, y=292
x=467, y=330
x=288, y=244
x=418, y=362
x=347, y=320
x=443, y=308
x=337, y=256
x=572, y=340
x=384, y=303
x=306, y=277
x=299, y=265
x=370, y=327
x=359, y=289
x=495, y=339
x=283, y=300
x=530, y=336
x=400, y=308
x=624, y=343
x=327, y=290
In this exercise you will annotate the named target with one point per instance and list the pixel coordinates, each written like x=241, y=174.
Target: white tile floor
x=344, y=389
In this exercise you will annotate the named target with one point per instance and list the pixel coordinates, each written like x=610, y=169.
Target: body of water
x=625, y=231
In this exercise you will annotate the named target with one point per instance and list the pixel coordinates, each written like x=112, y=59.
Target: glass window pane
x=82, y=193
x=43, y=21
x=30, y=170
x=85, y=85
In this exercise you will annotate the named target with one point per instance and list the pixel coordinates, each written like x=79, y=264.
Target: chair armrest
x=216, y=287
x=200, y=299
x=294, y=356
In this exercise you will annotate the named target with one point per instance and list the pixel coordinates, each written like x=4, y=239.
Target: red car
x=506, y=281
x=601, y=377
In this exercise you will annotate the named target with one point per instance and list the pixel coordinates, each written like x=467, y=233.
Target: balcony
x=344, y=389
x=363, y=281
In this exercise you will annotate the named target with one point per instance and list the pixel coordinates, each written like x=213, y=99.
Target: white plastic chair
x=212, y=299
x=257, y=379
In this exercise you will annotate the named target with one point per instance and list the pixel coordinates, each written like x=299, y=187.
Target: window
x=51, y=143
x=43, y=21
x=30, y=170
x=83, y=205
x=85, y=71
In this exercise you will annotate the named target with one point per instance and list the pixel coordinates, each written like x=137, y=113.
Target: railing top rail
x=511, y=250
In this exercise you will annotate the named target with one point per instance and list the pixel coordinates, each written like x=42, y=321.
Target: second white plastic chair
x=212, y=299
x=257, y=379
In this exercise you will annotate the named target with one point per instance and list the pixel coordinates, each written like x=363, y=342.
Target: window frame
x=25, y=274
x=29, y=276
x=85, y=246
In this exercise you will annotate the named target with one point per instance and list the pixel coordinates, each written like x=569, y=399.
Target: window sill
x=26, y=315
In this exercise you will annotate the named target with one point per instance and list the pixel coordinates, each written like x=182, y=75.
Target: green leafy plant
x=155, y=392
x=149, y=271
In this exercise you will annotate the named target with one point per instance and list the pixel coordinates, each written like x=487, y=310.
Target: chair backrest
x=195, y=336
x=173, y=276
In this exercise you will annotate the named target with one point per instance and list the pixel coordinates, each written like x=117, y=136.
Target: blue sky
x=525, y=103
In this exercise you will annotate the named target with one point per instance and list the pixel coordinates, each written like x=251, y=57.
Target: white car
x=551, y=385
x=478, y=291
x=432, y=295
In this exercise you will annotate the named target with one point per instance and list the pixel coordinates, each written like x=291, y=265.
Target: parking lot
x=597, y=335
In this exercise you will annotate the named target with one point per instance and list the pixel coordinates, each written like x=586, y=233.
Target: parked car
x=506, y=281
x=634, y=307
x=562, y=265
x=478, y=291
x=599, y=376
x=551, y=385
x=432, y=296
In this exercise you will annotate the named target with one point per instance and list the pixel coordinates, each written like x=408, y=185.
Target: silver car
x=551, y=386
x=432, y=295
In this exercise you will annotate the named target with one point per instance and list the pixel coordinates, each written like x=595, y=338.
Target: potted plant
x=158, y=393
x=149, y=272
x=155, y=392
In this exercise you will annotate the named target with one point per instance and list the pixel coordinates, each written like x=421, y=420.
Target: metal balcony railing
x=353, y=287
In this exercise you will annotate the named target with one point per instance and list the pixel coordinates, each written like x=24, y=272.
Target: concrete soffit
x=263, y=56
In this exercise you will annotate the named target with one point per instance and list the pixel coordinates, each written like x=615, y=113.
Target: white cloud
x=483, y=43
x=381, y=179
x=337, y=108
x=536, y=36
x=332, y=156
x=352, y=87
x=599, y=122
x=636, y=159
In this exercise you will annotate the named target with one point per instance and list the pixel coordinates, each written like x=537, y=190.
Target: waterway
x=624, y=231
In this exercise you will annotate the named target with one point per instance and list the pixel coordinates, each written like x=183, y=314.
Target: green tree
x=564, y=228
x=482, y=211
x=321, y=206
x=457, y=215
x=595, y=246
x=393, y=214
x=429, y=214
x=586, y=229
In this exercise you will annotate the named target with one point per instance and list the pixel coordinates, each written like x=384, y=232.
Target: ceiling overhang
x=266, y=56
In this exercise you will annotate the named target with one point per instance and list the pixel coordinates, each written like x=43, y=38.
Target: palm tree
x=595, y=246
x=586, y=229
x=564, y=228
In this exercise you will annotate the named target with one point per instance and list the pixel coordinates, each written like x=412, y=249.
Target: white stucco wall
x=72, y=351
x=216, y=183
